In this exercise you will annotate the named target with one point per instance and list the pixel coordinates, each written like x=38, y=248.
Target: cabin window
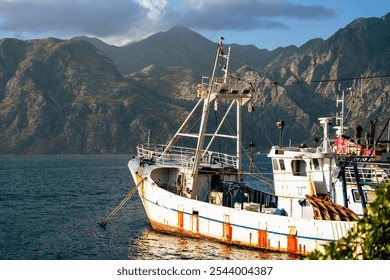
x=369, y=196
x=275, y=164
x=316, y=164
x=281, y=163
x=298, y=167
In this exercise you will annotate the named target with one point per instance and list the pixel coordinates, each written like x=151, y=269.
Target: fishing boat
x=198, y=188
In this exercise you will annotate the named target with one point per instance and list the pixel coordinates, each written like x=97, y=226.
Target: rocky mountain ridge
x=64, y=96
x=84, y=96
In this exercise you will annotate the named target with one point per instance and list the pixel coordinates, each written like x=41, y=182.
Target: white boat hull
x=168, y=212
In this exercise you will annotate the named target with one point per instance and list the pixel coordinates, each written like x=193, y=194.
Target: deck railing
x=368, y=175
x=183, y=156
x=220, y=85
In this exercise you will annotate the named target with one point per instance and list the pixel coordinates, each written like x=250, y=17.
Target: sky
x=264, y=23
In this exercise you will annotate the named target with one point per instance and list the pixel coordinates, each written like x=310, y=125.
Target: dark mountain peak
x=365, y=28
x=175, y=47
x=386, y=16
x=181, y=30
x=174, y=37
x=360, y=43
x=313, y=44
x=92, y=40
x=107, y=49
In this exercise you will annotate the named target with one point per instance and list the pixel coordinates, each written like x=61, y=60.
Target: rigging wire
x=275, y=83
x=260, y=175
x=346, y=79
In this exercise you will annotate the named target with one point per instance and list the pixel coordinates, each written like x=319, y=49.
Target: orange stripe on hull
x=227, y=231
x=262, y=239
x=292, y=244
x=180, y=219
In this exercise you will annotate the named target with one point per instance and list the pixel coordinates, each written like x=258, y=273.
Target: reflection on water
x=153, y=245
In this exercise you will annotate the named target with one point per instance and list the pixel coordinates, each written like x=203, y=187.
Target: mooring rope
x=123, y=202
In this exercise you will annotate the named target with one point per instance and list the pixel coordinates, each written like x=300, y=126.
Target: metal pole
x=359, y=186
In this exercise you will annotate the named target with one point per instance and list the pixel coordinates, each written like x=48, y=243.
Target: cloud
x=125, y=20
x=100, y=18
x=155, y=8
x=248, y=14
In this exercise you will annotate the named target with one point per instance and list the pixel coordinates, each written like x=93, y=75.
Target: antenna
x=340, y=116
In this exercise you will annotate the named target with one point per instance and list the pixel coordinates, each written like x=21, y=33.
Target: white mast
x=208, y=96
x=239, y=134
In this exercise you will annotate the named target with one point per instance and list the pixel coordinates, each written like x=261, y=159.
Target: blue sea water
x=50, y=207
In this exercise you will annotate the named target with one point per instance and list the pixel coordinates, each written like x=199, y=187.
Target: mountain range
x=87, y=97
